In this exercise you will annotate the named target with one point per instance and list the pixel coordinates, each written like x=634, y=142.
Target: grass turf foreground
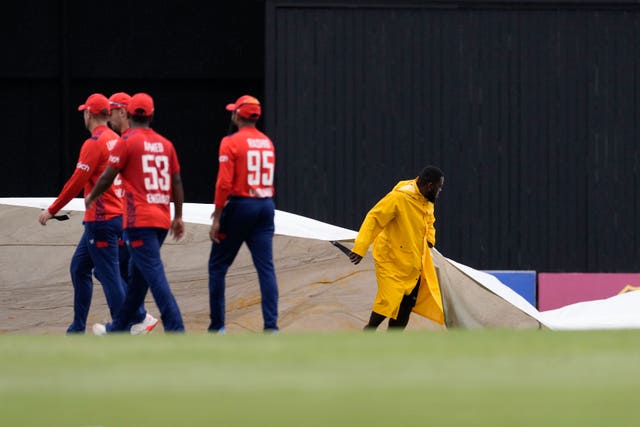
x=454, y=378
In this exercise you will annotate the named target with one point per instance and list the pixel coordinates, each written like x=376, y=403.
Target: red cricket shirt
x=92, y=161
x=246, y=166
x=146, y=161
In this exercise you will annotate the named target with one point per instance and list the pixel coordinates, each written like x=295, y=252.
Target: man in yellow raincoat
x=400, y=226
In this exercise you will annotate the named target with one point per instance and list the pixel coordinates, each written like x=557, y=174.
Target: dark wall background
x=531, y=110
x=193, y=57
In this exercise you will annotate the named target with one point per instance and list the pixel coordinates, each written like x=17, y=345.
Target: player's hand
x=354, y=257
x=44, y=217
x=88, y=201
x=177, y=228
x=214, y=232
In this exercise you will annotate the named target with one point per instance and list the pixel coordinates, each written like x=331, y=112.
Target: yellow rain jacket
x=400, y=225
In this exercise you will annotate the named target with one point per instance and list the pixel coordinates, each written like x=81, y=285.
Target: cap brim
x=231, y=107
x=82, y=107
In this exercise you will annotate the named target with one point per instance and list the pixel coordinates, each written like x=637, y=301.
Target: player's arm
x=104, y=182
x=226, y=171
x=73, y=186
x=177, y=194
x=224, y=185
x=70, y=190
x=377, y=218
x=214, y=231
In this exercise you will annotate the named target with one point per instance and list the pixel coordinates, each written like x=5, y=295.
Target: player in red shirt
x=150, y=171
x=119, y=122
x=97, y=250
x=244, y=212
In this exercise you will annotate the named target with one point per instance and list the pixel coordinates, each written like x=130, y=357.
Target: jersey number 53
x=156, y=170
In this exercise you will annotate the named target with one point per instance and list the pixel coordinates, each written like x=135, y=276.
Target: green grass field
x=455, y=378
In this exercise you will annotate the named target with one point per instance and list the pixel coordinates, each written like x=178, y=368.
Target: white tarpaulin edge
x=287, y=224
x=618, y=312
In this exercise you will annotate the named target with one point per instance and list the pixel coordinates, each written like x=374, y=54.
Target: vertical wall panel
x=194, y=57
x=531, y=110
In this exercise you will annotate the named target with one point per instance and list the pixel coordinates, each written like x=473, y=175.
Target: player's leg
x=220, y=258
x=80, y=270
x=135, y=293
x=406, y=306
x=141, y=319
x=144, y=247
x=123, y=259
x=260, y=243
x=103, y=247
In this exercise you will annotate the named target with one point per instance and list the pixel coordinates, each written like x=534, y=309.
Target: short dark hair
x=139, y=119
x=102, y=115
x=253, y=119
x=430, y=174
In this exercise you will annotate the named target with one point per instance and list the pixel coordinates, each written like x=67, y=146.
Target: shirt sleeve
x=378, y=217
x=118, y=155
x=226, y=167
x=87, y=162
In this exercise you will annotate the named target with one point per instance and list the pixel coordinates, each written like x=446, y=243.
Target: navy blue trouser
x=125, y=259
x=147, y=272
x=97, y=252
x=123, y=256
x=244, y=220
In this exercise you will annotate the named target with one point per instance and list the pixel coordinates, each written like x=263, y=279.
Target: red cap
x=96, y=104
x=119, y=100
x=246, y=106
x=140, y=104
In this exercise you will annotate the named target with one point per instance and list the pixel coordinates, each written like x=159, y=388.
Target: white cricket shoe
x=99, y=329
x=144, y=327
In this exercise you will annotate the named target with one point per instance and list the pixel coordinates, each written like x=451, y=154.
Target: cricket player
x=150, y=171
x=119, y=122
x=97, y=250
x=244, y=212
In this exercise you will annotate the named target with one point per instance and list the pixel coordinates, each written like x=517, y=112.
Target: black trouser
x=407, y=304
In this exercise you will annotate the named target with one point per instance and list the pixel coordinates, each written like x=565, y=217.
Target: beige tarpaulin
x=320, y=290
x=467, y=304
